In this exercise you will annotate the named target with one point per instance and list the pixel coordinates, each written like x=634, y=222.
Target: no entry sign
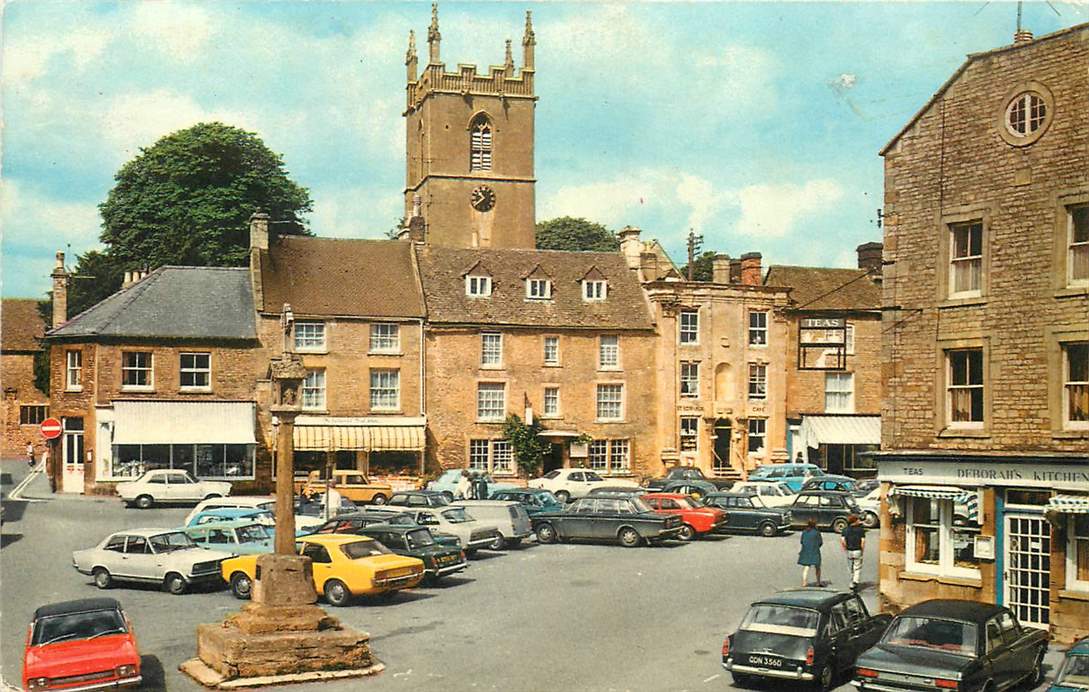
x=51, y=428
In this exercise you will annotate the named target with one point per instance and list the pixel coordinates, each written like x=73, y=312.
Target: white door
x=72, y=454
x=1027, y=572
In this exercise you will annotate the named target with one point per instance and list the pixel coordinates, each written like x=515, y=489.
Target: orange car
x=350, y=484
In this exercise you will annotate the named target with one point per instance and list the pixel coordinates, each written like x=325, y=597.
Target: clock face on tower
x=482, y=198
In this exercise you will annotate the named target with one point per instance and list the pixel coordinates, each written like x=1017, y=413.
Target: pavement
x=591, y=617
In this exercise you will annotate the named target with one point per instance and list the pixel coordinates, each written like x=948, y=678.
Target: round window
x=1026, y=114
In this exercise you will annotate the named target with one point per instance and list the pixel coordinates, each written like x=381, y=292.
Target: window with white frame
x=610, y=456
x=594, y=289
x=690, y=380
x=479, y=457
x=1076, y=385
x=608, y=351
x=850, y=336
x=552, y=350
x=598, y=455
x=385, y=338
x=502, y=457
x=964, y=388
x=195, y=371
x=313, y=391
x=1077, y=553
x=385, y=390
x=73, y=379
x=610, y=402
x=1077, y=261
x=480, y=144
x=758, y=431
x=758, y=381
x=538, y=289
x=1025, y=114
x=493, y=456
x=690, y=433
x=966, y=259
x=689, y=327
x=491, y=349
x=758, y=328
x=934, y=544
x=491, y=401
x=136, y=369
x=478, y=286
x=551, y=401
x=309, y=336
x=839, y=392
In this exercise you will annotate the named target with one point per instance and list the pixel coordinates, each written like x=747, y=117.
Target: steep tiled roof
x=823, y=288
x=443, y=270
x=20, y=325
x=332, y=276
x=173, y=302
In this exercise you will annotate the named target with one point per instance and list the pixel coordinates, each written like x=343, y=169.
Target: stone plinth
x=284, y=580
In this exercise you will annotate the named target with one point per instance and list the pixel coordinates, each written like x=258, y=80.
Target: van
x=509, y=517
x=794, y=475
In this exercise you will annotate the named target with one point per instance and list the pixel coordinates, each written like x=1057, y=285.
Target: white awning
x=934, y=492
x=183, y=422
x=841, y=430
x=1069, y=504
x=371, y=434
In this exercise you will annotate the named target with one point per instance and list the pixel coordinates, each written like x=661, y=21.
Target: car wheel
x=175, y=583
x=870, y=520
x=382, y=499
x=337, y=593
x=744, y=681
x=1037, y=674
x=497, y=544
x=212, y=496
x=563, y=496
x=102, y=577
x=839, y=525
x=546, y=533
x=145, y=502
x=824, y=680
x=241, y=586
x=687, y=533
x=629, y=537
x=768, y=530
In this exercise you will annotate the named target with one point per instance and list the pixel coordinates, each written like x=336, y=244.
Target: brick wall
x=17, y=378
x=805, y=388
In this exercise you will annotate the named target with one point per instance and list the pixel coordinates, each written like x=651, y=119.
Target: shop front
x=1002, y=529
x=840, y=444
x=386, y=447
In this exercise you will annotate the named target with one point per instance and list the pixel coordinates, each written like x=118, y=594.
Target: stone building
x=25, y=406
x=985, y=435
x=833, y=360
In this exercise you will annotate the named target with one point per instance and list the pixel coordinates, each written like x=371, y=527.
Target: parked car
x=627, y=520
x=315, y=507
x=240, y=537
x=353, y=485
x=690, y=476
x=252, y=503
x=807, y=635
x=844, y=484
x=567, y=484
x=419, y=498
x=773, y=494
x=871, y=508
x=793, y=475
x=169, y=486
x=510, y=518
x=345, y=566
x=473, y=534
x=1073, y=675
x=699, y=520
x=447, y=483
x=157, y=556
x=866, y=486
x=86, y=644
x=533, y=500
x=210, y=516
x=954, y=645
x=829, y=508
x=749, y=514
x=416, y=541
x=356, y=521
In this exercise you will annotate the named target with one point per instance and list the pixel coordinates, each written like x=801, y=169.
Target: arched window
x=480, y=144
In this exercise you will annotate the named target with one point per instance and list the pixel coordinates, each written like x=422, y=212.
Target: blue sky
x=758, y=125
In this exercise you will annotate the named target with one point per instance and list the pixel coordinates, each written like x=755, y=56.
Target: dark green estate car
x=416, y=541
x=533, y=500
x=749, y=514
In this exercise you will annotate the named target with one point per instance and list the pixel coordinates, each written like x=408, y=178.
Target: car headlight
x=125, y=671
x=38, y=683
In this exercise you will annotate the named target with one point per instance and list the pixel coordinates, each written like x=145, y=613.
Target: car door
x=841, y=638
x=1021, y=651
x=748, y=517
x=578, y=521
x=112, y=556
x=998, y=653
x=805, y=507
x=863, y=630
x=139, y=560
x=831, y=507
x=322, y=563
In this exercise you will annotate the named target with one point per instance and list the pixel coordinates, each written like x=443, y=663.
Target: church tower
x=469, y=146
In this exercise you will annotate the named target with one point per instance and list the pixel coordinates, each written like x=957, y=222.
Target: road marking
x=711, y=678
x=16, y=493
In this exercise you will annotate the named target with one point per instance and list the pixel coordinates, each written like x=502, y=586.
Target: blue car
x=241, y=537
x=256, y=516
x=1073, y=674
x=794, y=475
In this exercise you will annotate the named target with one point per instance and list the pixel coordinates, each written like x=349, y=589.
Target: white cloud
x=32, y=220
x=176, y=30
x=27, y=57
x=773, y=210
x=356, y=212
x=613, y=202
x=845, y=81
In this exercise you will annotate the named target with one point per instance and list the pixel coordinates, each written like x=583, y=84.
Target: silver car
x=509, y=517
x=473, y=534
x=155, y=556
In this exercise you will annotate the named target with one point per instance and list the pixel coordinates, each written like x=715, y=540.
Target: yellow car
x=353, y=485
x=345, y=566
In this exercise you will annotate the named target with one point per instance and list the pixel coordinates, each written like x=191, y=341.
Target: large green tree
x=702, y=267
x=577, y=234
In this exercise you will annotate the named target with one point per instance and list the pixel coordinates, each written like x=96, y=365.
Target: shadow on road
x=406, y=596
x=6, y=480
x=448, y=583
x=152, y=671
x=14, y=510
x=7, y=539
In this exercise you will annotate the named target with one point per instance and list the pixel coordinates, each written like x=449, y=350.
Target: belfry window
x=480, y=144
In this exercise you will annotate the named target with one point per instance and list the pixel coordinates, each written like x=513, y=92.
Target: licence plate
x=766, y=661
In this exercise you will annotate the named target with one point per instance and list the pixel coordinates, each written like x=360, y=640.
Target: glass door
x=1027, y=574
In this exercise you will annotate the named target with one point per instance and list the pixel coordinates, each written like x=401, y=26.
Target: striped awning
x=1069, y=504
x=333, y=438
x=934, y=492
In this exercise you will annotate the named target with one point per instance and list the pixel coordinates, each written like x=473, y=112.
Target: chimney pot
x=869, y=257
x=720, y=269
x=1022, y=36
x=751, y=273
x=259, y=231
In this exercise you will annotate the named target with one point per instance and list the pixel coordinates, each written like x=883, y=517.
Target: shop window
x=964, y=388
x=313, y=391
x=690, y=380
x=491, y=401
x=491, y=349
x=1076, y=385
x=33, y=414
x=212, y=461
x=608, y=352
x=552, y=350
x=758, y=328
x=610, y=402
x=195, y=371
x=758, y=381
x=690, y=433
x=1077, y=261
x=73, y=380
x=385, y=338
x=136, y=370
x=937, y=544
x=1077, y=553
x=309, y=336
x=690, y=327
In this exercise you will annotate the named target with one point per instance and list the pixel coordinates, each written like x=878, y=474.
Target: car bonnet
x=76, y=657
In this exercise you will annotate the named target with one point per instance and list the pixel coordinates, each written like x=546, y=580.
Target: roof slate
x=20, y=325
x=173, y=302
x=442, y=271
x=824, y=288
x=333, y=276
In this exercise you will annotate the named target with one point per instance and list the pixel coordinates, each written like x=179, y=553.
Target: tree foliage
x=702, y=267
x=575, y=234
x=528, y=448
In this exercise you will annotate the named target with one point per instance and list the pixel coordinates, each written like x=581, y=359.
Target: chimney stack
x=416, y=228
x=60, y=292
x=630, y=246
x=735, y=271
x=648, y=266
x=720, y=269
x=259, y=231
x=869, y=257
x=1021, y=37
x=751, y=274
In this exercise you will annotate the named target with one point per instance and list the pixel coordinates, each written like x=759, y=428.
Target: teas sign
x=51, y=428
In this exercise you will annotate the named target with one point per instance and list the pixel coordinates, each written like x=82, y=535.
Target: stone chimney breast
x=869, y=257
x=720, y=269
x=60, y=291
x=259, y=231
x=631, y=246
x=751, y=272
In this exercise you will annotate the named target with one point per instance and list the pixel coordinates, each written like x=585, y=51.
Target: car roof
x=418, y=492
x=144, y=532
x=808, y=597
x=81, y=605
x=393, y=528
x=239, y=500
x=821, y=491
x=953, y=609
x=229, y=524
x=1080, y=647
x=671, y=496
x=233, y=511
x=332, y=538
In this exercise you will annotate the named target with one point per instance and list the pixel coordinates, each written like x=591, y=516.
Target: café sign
x=1068, y=476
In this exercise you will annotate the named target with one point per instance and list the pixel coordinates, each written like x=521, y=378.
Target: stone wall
x=17, y=379
x=805, y=388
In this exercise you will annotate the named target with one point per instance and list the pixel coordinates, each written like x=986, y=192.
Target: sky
x=757, y=125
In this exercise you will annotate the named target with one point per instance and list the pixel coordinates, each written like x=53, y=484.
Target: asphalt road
x=548, y=617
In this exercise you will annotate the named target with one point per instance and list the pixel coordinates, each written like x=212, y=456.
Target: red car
x=698, y=519
x=80, y=645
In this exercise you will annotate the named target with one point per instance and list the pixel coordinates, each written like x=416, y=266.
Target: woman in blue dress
x=810, y=555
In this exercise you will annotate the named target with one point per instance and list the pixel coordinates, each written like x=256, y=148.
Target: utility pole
x=695, y=242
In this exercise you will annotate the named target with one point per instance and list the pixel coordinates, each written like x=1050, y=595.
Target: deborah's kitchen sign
x=1072, y=475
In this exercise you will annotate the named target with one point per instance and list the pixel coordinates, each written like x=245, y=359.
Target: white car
x=871, y=508
x=169, y=486
x=157, y=556
x=453, y=520
x=569, y=484
x=251, y=502
x=773, y=494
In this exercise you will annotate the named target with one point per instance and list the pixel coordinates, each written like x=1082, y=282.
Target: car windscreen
x=253, y=533
x=781, y=619
x=438, y=500
x=86, y=625
x=400, y=520
x=757, y=501
x=166, y=542
x=687, y=503
x=456, y=515
x=359, y=549
x=270, y=505
x=419, y=538
x=546, y=498
x=1074, y=672
x=785, y=489
x=933, y=633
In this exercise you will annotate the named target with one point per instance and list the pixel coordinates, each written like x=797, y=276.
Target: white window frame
x=968, y=259
x=1069, y=424
x=1072, y=581
x=689, y=429
x=609, y=456
x=553, y=358
x=495, y=456
x=149, y=369
x=491, y=349
x=1073, y=247
x=688, y=327
x=1027, y=100
x=850, y=336
x=382, y=389
x=690, y=380
x=595, y=290
x=73, y=378
x=551, y=395
x=538, y=289
x=310, y=336
x=317, y=387
x=758, y=376
x=599, y=401
x=207, y=371
x=480, y=458
x=950, y=388
x=608, y=353
x=946, y=566
x=477, y=286
x=385, y=337
x=758, y=329
x=482, y=391
x=836, y=392
x=762, y=434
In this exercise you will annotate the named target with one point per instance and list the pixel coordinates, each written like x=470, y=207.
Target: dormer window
x=538, y=289
x=478, y=286
x=594, y=290
x=480, y=144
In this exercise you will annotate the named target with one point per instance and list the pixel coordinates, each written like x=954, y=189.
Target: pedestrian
x=810, y=555
x=29, y=454
x=464, y=487
x=480, y=487
x=853, y=541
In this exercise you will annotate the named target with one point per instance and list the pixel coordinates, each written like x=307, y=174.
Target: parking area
x=540, y=617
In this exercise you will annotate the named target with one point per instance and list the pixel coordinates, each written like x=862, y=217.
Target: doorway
x=1027, y=575
x=723, y=432
x=73, y=455
x=554, y=459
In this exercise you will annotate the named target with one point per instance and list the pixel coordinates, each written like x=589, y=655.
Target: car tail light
x=726, y=646
x=809, y=656
x=946, y=684
x=865, y=673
